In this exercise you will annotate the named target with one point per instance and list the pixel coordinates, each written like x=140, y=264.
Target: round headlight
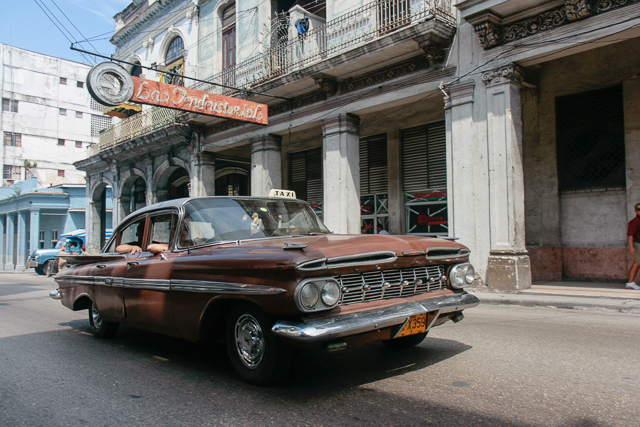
x=458, y=277
x=330, y=294
x=309, y=295
x=469, y=274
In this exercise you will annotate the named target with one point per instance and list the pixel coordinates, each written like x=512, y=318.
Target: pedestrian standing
x=633, y=239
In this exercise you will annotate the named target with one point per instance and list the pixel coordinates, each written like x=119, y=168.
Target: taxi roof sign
x=282, y=193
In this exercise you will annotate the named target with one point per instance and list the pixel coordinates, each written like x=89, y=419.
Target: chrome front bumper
x=352, y=324
x=55, y=294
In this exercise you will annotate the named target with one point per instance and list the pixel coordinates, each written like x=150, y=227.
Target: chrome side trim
x=146, y=284
x=115, y=282
x=362, y=259
x=223, y=288
x=74, y=281
x=357, y=323
x=315, y=264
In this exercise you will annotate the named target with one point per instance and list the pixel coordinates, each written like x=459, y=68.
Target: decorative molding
x=192, y=11
x=380, y=76
x=328, y=84
x=433, y=49
x=148, y=43
x=512, y=73
x=488, y=34
x=458, y=94
x=266, y=143
x=298, y=103
x=577, y=9
x=491, y=33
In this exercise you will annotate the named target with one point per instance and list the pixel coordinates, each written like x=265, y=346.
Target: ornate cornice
x=143, y=20
x=329, y=85
x=511, y=72
x=492, y=33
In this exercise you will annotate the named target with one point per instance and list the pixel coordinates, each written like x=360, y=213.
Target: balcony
x=137, y=125
x=355, y=28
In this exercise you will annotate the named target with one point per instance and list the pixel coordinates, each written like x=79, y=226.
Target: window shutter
x=424, y=157
x=373, y=164
x=306, y=175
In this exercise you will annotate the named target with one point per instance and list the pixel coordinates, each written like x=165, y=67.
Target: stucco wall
x=562, y=230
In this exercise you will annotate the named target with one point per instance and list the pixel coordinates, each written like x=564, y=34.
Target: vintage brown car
x=269, y=277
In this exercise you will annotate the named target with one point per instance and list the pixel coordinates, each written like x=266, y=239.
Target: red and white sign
x=182, y=98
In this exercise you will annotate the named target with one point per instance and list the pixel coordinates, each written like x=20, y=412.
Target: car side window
x=131, y=237
x=161, y=228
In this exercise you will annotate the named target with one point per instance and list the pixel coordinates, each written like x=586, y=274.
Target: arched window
x=174, y=51
x=174, y=63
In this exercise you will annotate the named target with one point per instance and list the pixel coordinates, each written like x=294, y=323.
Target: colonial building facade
x=420, y=117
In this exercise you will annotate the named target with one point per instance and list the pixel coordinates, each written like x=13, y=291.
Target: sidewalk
x=571, y=295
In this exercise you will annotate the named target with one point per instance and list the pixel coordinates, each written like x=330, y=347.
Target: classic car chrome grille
x=387, y=284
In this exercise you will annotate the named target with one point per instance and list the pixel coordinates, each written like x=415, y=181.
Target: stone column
x=508, y=267
x=9, y=242
x=341, y=174
x=34, y=229
x=266, y=164
x=203, y=174
x=467, y=174
x=93, y=227
x=395, y=190
x=22, y=241
x=3, y=222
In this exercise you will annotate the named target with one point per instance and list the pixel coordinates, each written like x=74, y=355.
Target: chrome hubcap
x=95, y=317
x=249, y=341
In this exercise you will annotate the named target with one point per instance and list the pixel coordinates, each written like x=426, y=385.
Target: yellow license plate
x=416, y=324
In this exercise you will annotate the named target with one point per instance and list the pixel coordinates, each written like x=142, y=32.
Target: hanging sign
x=110, y=84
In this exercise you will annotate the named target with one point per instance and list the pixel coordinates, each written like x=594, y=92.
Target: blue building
x=34, y=218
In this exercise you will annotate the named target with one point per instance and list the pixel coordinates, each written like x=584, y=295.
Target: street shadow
x=321, y=389
x=332, y=372
x=7, y=289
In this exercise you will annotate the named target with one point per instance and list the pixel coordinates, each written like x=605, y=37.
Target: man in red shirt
x=633, y=238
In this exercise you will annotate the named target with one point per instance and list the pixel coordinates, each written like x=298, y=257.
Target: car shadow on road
x=331, y=372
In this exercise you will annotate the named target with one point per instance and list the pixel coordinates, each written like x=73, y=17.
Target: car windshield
x=217, y=220
x=60, y=243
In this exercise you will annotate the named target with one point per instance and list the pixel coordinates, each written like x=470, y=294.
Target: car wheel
x=257, y=356
x=39, y=271
x=406, y=342
x=100, y=328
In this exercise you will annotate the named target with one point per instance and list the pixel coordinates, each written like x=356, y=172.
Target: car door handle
x=101, y=266
x=131, y=263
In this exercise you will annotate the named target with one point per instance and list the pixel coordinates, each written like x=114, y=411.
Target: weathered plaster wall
x=564, y=230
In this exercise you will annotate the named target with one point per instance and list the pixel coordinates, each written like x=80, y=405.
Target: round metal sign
x=109, y=84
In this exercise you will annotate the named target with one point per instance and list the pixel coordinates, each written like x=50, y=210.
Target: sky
x=24, y=24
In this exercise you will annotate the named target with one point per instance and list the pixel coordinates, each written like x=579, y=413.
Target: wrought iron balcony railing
x=139, y=124
x=361, y=25
x=366, y=23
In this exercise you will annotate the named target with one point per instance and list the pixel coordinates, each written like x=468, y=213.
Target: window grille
x=13, y=139
x=99, y=123
x=10, y=105
x=590, y=140
x=96, y=106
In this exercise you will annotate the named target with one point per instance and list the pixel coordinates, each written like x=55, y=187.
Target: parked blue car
x=44, y=261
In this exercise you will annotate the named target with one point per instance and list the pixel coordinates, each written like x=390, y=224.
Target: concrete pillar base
x=9, y=266
x=508, y=273
x=20, y=267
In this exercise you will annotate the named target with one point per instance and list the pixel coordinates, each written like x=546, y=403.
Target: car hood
x=41, y=252
x=341, y=248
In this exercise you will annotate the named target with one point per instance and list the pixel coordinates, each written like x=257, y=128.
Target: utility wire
x=79, y=32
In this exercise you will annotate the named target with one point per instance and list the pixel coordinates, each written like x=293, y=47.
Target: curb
x=619, y=305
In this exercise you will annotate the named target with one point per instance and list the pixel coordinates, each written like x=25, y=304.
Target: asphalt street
x=503, y=365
